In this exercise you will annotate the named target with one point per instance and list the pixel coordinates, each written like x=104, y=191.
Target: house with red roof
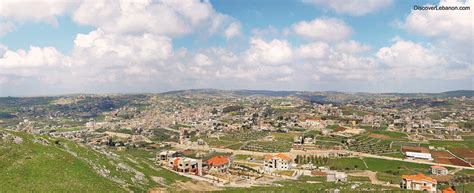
x=219, y=163
x=419, y=182
x=279, y=161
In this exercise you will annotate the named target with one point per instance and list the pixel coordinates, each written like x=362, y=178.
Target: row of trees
x=305, y=159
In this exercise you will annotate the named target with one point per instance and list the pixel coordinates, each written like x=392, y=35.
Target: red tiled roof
x=218, y=160
x=437, y=167
x=267, y=157
x=283, y=156
x=419, y=177
x=448, y=190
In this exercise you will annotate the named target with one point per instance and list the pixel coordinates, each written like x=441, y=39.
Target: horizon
x=99, y=47
x=233, y=90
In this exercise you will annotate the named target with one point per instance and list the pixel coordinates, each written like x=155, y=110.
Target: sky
x=50, y=47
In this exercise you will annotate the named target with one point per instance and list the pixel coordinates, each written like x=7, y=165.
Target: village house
x=438, y=170
x=419, y=182
x=314, y=123
x=277, y=162
x=219, y=163
x=185, y=165
x=335, y=176
x=165, y=155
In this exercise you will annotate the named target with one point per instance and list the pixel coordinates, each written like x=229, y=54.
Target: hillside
x=43, y=164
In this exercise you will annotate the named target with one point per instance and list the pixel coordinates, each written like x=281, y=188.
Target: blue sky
x=378, y=46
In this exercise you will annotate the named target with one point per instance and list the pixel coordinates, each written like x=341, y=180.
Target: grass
x=35, y=167
x=346, y=164
x=391, y=134
x=65, y=166
x=358, y=178
x=285, y=172
x=381, y=165
x=393, y=179
x=451, y=144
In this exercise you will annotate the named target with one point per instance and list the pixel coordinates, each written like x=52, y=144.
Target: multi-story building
x=438, y=170
x=419, y=182
x=276, y=162
x=185, y=165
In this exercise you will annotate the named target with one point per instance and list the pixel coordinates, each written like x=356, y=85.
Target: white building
x=438, y=170
x=419, y=182
x=335, y=176
x=416, y=155
x=276, y=162
x=185, y=165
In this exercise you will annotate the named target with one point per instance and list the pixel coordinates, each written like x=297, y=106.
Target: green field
x=65, y=166
x=451, y=144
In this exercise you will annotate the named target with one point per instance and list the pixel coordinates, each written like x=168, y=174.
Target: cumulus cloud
x=274, y=52
x=315, y=50
x=233, y=30
x=98, y=45
x=356, y=8
x=38, y=10
x=407, y=59
x=324, y=29
x=34, y=57
x=451, y=31
x=165, y=17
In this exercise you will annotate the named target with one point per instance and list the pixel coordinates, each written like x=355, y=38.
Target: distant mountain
x=317, y=96
x=458, y=93
x=265, y=93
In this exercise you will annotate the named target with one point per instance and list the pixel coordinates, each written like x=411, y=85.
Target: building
x=419, y=182
x=219, y=163
x=164, y=155
x=416, y=152
x=185, y=165
x=314, y=123
x=416, y=155
x=438, y=170
x=335, y=176
x=277, y=162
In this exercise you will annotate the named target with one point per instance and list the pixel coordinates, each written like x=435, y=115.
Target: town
x=244, y=140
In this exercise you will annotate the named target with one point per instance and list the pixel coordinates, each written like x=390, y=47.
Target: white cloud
x=315, y=50
x=451, y=31
x=232, y=31
x=274, y=52
x=34, y=57
x=356, y=8
x=406, y=59
x=202, y=60
x=352, y=47
x=323, y=29
x=38, y=10
x=113, y=49
x=455, y=25
x=165, y=17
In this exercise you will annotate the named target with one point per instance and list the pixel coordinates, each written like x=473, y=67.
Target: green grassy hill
x=57, y=165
